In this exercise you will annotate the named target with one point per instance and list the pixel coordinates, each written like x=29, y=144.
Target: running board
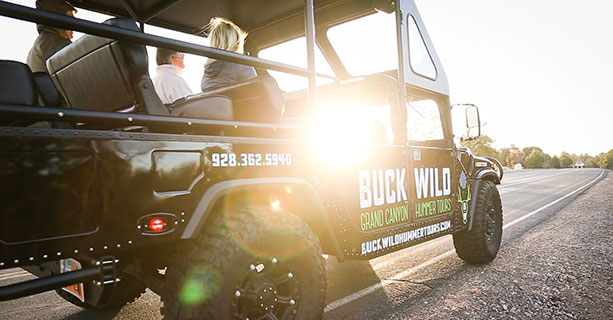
x=103, y=273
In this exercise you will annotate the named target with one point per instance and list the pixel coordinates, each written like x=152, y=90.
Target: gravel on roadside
x=562, y=268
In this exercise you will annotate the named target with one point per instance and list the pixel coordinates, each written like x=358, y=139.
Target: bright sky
x=540, y=71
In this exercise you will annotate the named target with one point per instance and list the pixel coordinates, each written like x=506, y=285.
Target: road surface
x=555, y=262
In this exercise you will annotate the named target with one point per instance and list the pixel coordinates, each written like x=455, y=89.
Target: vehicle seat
x=101, y=74
x=257, y=100
x=24, y=88
x=18, y=85
x=49, y=96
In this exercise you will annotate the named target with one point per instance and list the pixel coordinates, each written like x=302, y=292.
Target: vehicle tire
x=250, y=263
x=480, y=245
x=127, y=290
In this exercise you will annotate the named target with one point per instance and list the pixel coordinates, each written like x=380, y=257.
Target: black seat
x=257, y=100
x=18, y=85
x=49, y=96
x=23, y=88
x=101, y=74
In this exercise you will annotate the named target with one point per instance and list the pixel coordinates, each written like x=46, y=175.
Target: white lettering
x=421, y=182
x=437, y=190
x=377, y=187
x=365, y=195
x=431, y=182
x=404, y=237
x=390, y=194
x=400, y=190
x=446, y=181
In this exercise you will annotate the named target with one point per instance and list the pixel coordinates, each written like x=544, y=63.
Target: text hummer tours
x=224, y=202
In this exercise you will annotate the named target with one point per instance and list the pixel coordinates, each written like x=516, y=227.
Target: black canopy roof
x=267, y=21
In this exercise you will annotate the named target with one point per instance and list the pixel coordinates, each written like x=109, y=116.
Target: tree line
x=534, y=157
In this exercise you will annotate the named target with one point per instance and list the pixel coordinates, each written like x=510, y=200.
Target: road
x=551, y=265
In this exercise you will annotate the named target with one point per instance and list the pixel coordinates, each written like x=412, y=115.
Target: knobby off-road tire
x=480, y=245
x=127, y=290
x=254, y=263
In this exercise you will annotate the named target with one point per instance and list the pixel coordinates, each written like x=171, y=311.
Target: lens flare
x=340, y=135
x=200, y=285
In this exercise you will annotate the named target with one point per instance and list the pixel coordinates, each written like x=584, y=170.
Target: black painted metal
x=158, y=8
x=39, y=285
x=131, y=119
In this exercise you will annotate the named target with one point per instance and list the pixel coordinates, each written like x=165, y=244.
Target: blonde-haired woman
x=225, y=35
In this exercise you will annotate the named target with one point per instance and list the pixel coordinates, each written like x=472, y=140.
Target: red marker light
x=156, y=225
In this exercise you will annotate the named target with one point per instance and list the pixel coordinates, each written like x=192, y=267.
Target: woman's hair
x=225, y=35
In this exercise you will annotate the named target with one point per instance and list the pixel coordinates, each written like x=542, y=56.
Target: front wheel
x=481, y=243
x=251, y=263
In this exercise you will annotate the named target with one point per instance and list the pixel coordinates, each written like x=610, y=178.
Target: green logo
x=463, y=184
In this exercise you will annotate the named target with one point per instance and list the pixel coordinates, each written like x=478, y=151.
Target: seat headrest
x=48, y=92
x=18, y=85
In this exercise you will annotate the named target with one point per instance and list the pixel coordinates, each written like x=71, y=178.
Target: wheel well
x=298, y=199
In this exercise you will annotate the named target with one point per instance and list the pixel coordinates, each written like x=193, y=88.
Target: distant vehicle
x=578, y=164
x=518, y=166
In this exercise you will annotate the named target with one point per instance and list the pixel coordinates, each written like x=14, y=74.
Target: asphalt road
x=556, y=261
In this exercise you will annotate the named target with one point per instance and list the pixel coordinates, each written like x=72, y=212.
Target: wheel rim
x=490, y=221
x=268, y=291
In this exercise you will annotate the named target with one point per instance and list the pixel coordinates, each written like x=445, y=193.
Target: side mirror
x=473, y=123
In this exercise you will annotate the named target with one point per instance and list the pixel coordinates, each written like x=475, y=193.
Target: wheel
x=251, y=263
x=127, y=290
x=481, y=244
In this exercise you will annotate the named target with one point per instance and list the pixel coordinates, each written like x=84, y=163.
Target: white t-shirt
x=169, y=85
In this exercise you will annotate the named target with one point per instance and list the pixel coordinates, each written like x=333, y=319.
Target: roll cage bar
x=66, y=22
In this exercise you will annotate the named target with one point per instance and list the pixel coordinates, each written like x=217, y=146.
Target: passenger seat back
x=102, y=74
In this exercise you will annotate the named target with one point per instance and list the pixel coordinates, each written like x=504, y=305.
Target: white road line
x=366, y=291
x=541, y=177
x=526, y=216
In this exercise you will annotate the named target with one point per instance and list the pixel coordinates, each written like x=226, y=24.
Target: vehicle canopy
x=276, y=21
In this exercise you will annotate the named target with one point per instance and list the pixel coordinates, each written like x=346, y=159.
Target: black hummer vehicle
x=224, y=202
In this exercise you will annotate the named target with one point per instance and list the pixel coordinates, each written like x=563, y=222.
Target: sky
x=540, y=71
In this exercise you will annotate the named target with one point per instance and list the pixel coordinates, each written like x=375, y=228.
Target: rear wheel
x=481, y=243
x=251, y=263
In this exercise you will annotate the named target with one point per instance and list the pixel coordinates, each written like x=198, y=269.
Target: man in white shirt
x=168, y=83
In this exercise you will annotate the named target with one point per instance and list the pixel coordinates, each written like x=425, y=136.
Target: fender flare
x=486, y=174
x=217, y=191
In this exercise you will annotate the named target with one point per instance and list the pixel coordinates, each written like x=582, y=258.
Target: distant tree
x=547, y=163
x=601, y=160
x=565, y=160
x=571, y=156
x=481, y=146
x=528, y=150
x=536, y=159
x=515, y=156
x=555, y=162
x=503, y=154
x=605, y=160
